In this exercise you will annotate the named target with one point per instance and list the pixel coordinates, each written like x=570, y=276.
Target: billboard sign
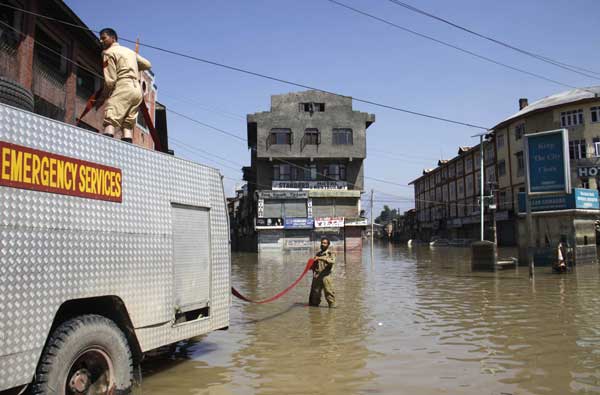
x=329, y=222
x=299, y=223
x=262, y=223
x=580, y=198
x=547, y=162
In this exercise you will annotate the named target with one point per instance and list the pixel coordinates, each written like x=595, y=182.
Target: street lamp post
x=482, y=173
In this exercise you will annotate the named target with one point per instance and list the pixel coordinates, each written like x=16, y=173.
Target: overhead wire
x=219, y=129
x=449, y=45
x=562, y=65
x=264, y=76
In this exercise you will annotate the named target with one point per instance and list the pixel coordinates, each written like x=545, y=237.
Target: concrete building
x=306, y=173
x=447, y=197
x=34, y=53
x=578, y=111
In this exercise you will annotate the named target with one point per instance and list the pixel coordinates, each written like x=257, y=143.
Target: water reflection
x=416, y=321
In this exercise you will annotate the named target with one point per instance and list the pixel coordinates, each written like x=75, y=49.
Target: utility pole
x=481, y=175
x=371, y=227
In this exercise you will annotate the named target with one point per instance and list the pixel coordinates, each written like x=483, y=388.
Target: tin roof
x=559, y=99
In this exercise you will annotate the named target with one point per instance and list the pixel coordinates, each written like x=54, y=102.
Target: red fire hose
x=237, y=294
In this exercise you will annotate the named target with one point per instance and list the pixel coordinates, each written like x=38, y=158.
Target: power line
x=565, y=66
x=234, y=136
x=265, y=76
x=447, y=44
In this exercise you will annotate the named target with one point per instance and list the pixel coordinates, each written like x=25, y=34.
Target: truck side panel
x=55, y=247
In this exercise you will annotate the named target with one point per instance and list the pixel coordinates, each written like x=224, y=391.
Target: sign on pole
x=547, y=162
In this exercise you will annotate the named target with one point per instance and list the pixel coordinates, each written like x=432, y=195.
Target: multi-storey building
x=61, y=65
x=447, y=197
x=307, y=169
x=578, y=111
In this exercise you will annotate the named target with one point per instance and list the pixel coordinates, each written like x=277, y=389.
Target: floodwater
x=413, y=321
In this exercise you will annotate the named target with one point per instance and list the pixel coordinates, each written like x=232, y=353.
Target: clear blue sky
x=321, y=44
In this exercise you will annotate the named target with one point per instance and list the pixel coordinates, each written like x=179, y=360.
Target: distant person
x=322, y=282
x=121, y=85
x=560, y=265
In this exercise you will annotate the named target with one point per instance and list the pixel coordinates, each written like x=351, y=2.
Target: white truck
x=107, y=250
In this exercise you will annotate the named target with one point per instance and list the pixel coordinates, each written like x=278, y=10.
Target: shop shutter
x=323, y=207
x=295, y=208
x=346, y=207
x=273, y=209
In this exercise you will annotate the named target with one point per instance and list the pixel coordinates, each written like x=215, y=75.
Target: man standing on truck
x=322, y=268
x=121, y=85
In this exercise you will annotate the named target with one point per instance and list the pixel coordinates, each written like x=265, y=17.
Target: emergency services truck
x=107, y=250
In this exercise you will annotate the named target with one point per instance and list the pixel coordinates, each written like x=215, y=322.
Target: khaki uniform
x=322, y=281
x=121, y=73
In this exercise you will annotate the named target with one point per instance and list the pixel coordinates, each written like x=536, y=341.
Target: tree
x=386, y=215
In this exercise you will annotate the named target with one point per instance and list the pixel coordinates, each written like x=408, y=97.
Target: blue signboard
x=547, y=161
x=585, y=199
x=299, y=223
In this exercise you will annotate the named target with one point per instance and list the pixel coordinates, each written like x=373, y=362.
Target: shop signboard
x=355, y=221
x=580, y=198
x=329, y=222
x=266, y=194
x=263, y=223
x=547, y=162
x=305, y=185
x=299, y=223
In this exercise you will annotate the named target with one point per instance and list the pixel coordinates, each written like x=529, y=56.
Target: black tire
x=15, y=95
x=71, y=343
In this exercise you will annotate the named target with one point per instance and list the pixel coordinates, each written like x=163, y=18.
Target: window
x=311, y=137
x=342, y=137
x=452, y=171
x=444, y=174
x=310, y=173
x=577, y=149
x=469, y=188
x=335, y=172
x=519, y=131
x=282, y=172
x=460, y=188
x=585, y=183
x=48, y=52
x=501, y=199
x=500, y=140
x=8, y=36
x=477, y=160
x=489, y=154
x=571, y=118
x=460, y=170
x=468, y=165
x=597, y=146
x=312, y=107
x=595, y=114
x=86, y=83
x=280, y=136
x=520, y=163
x=501, y=168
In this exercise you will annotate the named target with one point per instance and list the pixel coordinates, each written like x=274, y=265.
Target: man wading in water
x=322, y=268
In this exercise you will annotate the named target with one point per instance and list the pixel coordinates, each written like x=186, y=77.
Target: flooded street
x=415, y=321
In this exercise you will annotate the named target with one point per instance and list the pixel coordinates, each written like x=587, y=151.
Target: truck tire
x=15, y=95
x=85, y=355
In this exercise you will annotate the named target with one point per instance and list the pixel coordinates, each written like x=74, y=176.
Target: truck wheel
x=15, y=95
x=85, y=355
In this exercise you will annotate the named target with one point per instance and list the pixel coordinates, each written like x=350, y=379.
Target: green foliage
x=387, y=215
